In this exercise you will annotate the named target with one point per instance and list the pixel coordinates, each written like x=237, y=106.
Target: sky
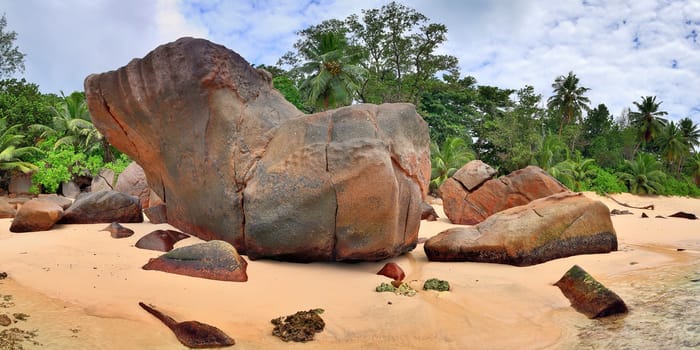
x=620, y=49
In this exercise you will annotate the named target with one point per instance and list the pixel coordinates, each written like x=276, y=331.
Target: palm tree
x=447, y=159
x=643, y=175
x=673, y=145
x=11, y=154
x=550, y=149
x=647, y=119
x=695, y=168
x=72, y=125
x=574, y=173
x=331, y=77
x=690, y=132
x=568, y=99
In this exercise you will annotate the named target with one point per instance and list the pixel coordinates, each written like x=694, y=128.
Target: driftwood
x=650, y=206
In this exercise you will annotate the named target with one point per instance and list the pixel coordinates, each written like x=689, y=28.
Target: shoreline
x=99, y=280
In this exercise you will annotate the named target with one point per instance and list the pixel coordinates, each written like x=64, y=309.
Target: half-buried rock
x=161, y=240
x=554, y=227
x=588, y=296
x=216, y=260
x=193, y=334
x=36, y=215
x=103, y=207
x=116, y=230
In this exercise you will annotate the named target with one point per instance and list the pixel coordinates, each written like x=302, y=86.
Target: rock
x=235, y=161
x=103, y=207
x=554, y=227
x=436, y=284
x=684, y=215
x=20, y=183
x=132, y=181
x=161, y=240
x=588, y=296
x=5, y=320
x=428, y=212
x=216, y=260
x=116, y=230
x=70, y=189
x=7, y=210
x=62, y=201
x=36, y=215
x=3, y=275
x=393, y=271
x=103, y=181
x=644, y=215
x=192, y=334
x=620, y=212
x=471, y=205
x=157, y=214
x=300, y=327
x=474, y=174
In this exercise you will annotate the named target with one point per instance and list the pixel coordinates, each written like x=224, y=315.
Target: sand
x=81, y=289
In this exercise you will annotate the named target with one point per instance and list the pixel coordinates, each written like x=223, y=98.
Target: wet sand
x=77, y=278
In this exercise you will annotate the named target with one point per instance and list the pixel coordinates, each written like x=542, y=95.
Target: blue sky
x=621, y=49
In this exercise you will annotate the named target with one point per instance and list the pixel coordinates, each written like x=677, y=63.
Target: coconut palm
x=647, y=119
x=575, y=173
x=690, y=132
x=550, y=149
x=673, y=145
x=331, y=77
x=447, y=158
x=11, y=151
x=568, y=99
x=643, y=175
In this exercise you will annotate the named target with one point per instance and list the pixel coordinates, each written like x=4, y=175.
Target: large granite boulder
x=132, y=181
x=557, y=226
x=36, y=215
x=103, y=207
x=471, y=195
x=234, y=161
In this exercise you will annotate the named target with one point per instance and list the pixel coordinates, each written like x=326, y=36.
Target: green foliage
x=436, y=284
x=680, y=187
x=385, y=287
x=568, y=100
x=22, y=103
x=11, y=59
x=643, y=175
x=605, y=182
x=13, y=157
x=576, y=173
x=447, y=107
x=446, y=159
x=647, y=119
x=286, y=87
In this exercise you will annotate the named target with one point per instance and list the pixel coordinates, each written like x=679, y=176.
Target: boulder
x=103, y=181
x=549, y=228
x=235, y=161
x=20, y=183
x=468, y=202
x=36, y=215
x=70, y=189
x=116, y=230
x=589, y=296
x=132, y=181
x=103, y=207
x=7, y=210
x=161, y=240
x=63, y=202
x=216, y=260
x=428, y=212
x=157, y=214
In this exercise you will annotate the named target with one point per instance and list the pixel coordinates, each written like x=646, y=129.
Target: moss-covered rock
x=300, y=327
x=436, y=284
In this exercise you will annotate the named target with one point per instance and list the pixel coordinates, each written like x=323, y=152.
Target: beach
x=81, y=290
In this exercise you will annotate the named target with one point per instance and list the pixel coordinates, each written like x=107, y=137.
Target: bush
x=605, y=182
x=683, y=187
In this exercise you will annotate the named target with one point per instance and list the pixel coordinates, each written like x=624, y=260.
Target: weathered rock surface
x=20, y=183
x=235, y=161
x=160, y=240
x=36, y=215
x=393, y=271
x=549, y=228
x=70, y=189
x=103, y=181
x=103, y=207
x=116, y=230
x=157, y=214
x=589, y=296
x=467, y=201
x=7, y=210
x=216, y=260
x=428, y=212
x=63, y=202
x=132, y=181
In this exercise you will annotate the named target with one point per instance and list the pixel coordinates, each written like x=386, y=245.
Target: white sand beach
x=81, y=289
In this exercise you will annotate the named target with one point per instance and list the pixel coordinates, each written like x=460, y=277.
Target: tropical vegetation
x=393, y=53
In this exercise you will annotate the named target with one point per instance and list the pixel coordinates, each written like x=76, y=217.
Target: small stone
x=393, y=271
x=116, y=230
x=589, y=296
x=3, y=275
x=5, y=320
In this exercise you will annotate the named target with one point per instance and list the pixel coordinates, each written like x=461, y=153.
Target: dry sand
x=81, y=289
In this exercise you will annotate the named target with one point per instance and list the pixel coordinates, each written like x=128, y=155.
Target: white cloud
x=500, y=42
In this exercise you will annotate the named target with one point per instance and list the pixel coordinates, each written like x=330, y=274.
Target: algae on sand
x=300, y=327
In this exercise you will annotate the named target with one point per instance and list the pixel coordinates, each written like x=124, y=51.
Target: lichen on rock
x=300, y=327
